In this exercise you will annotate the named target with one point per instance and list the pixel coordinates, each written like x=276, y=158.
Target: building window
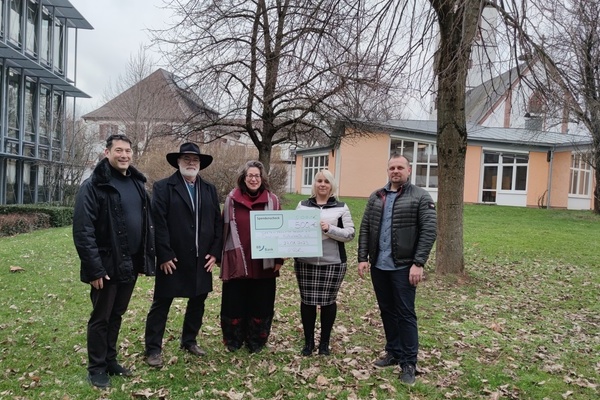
x=44, y=153
x=46, y=33
x=503, y=172
x=312, y=165
x=581, y=175
x=42, y=189
x=29, y=179
x=45, y=114
x=47, y=184
x=423, y=161
x=58, y=117
x=30, y=111
x=31, y=33
x=514, y=172
x=14, y=27
x=59, y=42
x=1, y=18
x=11, y=182
x=13, y=100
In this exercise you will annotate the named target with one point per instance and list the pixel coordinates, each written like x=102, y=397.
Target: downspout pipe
x=550, y=159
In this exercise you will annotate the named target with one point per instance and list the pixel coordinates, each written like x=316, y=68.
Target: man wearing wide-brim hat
x=188, y=228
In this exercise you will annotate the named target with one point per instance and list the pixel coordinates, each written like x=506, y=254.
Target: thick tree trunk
x=452, y=147
x=264, y=155
x=458, y=21
x=596, y=169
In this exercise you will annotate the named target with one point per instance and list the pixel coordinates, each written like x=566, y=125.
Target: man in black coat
x=114, y=237
x=189, y=228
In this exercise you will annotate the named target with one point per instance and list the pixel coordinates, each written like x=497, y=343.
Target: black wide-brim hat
x=189, y=148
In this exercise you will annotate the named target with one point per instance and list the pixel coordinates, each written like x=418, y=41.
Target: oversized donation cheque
x=286, y=233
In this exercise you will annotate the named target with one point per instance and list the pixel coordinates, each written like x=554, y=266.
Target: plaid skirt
x=319, y=284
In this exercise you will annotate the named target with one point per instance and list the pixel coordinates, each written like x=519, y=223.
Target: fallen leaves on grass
x=149, y=393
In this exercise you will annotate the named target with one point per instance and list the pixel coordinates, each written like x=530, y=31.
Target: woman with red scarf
x=248, y=298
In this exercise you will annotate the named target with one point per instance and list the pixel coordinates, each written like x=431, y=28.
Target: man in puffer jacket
x=114, y=238
x=397, y=233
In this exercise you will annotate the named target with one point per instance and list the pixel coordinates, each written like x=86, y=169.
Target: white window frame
x=398, y=145
x=581, y=172
x=514, y=165
x=309, y=169
x=500, y=165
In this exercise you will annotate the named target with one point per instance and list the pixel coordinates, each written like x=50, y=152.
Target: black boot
x=324, y=349
x=309, y=317
x=233, y=332
x=258, y=333
x=328, y=314
x=309, y=347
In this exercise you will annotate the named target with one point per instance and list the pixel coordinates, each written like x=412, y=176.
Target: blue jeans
x=396, y=298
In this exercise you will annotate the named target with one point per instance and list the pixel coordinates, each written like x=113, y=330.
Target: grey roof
x=64, y=10
x=481, y=99
x=161, y=96
x=512, y=136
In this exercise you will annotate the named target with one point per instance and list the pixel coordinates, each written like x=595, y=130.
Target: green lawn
x=523, y=323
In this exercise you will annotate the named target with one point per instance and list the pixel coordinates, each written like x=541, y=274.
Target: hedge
x=13, y=224
x=58, y=216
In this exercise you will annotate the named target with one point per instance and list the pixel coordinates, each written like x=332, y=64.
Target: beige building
x=504, y=166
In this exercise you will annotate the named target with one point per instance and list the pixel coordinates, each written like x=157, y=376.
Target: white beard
x=189, y=173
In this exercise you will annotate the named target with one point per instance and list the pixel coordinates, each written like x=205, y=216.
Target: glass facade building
x=37, y=61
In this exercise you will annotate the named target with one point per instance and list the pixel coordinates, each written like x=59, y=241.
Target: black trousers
x=244, y=298
x=396, y=299
x=157, y=321
x=247, y=308
x=108, y=306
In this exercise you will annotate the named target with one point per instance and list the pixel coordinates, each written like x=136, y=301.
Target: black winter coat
x=99, y=233
x=176, y=228
x=414, y=226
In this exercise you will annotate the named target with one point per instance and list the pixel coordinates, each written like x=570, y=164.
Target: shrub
x=223, y=171
x=278, y=178
x=58, y=216
x=13, y=224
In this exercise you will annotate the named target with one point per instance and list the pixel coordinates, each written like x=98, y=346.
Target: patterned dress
x=320, y=278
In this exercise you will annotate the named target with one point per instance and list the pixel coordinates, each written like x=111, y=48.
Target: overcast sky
x=120, y=27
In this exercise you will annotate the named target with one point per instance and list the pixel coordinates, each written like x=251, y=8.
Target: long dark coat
x=175, y=222
x=99, y=233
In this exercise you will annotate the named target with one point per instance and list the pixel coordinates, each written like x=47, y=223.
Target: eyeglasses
x=253, y=176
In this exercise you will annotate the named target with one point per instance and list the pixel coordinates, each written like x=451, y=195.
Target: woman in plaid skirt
x=320, y=278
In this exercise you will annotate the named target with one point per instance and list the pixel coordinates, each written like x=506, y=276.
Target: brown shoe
x=154, y=360
x=195, y=350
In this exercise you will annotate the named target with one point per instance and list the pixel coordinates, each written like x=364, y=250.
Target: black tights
x=309, y=318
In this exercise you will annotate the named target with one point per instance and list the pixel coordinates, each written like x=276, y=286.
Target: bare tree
x=132, y=102
x=458, y=22
x=563, y=41
x=148, y=104
x=66, y=176
x=277, y=69
x=293, y=66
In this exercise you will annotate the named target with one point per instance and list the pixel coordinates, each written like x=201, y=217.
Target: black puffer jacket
x=99, y=232
x=414, y=225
